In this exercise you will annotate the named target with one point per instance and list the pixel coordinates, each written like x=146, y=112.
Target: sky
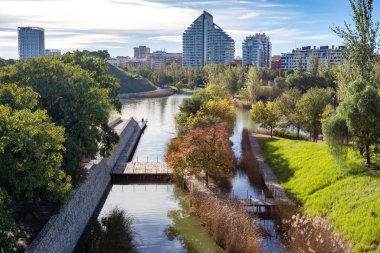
x=120, y=25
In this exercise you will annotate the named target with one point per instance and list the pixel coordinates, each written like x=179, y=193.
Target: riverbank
x=147, y=94
x=63, y=230
x=341, y=191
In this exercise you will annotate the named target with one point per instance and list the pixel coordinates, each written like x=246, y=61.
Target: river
x=160, y=217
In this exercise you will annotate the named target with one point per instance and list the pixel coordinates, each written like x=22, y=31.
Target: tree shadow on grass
x=278, y=164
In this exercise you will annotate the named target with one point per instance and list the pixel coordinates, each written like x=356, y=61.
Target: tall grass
x=227, y=222
x=342, y=192
x=248, y=162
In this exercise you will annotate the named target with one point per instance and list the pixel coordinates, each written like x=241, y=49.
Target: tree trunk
x=367, y=155
x=298, y=132
x=271, y=132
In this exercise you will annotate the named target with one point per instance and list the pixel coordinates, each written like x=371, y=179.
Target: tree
x=313, y=65
x=253, y=82
x=337, y=134
x=189, y=107
x=298, y=69
x=287, y=106
x=96, y=64
x=217, y=91
x=361, y=110
x=209, y=150
x=31, y=155
x=18, y=97
x=267, y=115
x=362, y=39
x=214, y=111
x=2, y=62
x=73, y=100
x=232, y=79
x=312, y=105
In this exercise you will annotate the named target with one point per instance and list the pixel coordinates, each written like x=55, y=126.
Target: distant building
x=257, y=50
x=141, y=52
x=332, y=56
x=52, y=52
x=238, y=61
x=119, y=60
x=157, y=58
x=276, y=62
x=31, y=42
x=204, y=43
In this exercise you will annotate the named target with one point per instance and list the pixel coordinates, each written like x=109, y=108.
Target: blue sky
x=120, y=25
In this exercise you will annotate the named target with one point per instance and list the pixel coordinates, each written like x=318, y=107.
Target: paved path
x=269, y=177
x=122, y=161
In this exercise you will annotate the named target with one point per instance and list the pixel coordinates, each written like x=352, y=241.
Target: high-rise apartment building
x=141, y=52
x=257, y=50
x=31, y=42
x=325, y=54
x=204, y=43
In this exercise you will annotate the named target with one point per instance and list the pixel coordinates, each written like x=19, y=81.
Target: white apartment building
x=325, y=54
x=204, y=43
x=257, y=50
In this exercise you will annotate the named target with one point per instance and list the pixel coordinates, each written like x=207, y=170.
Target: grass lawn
x=342, y=191
x=130, y=83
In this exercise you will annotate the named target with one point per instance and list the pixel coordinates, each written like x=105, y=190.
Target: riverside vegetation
x=53, y=114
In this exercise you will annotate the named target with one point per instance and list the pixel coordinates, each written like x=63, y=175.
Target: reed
x=310, y=235
x=248, y=162
x=227, y=222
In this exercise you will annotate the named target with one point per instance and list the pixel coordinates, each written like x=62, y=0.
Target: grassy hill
x=342, y=191
x=130, y=83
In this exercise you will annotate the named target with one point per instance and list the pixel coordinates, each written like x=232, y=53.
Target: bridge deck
x=257, y=202
x=144, y=168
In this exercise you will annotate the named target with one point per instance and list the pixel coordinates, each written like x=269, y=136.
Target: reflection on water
x=160, y=212
x=160, y=218
x=148, y=205
x=161, y=128
x=112, y=232
x=243, y=187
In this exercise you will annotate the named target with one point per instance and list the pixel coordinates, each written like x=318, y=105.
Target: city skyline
x=120, y=25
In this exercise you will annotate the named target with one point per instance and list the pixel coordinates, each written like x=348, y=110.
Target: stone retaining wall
x=63, y=230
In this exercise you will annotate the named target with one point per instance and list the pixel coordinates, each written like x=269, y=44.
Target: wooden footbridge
x=144, y=171
x=161, y=172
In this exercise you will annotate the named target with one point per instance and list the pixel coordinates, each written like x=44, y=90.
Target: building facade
x=276, y=62
x=332, y=56
x=257, y=50
x=52, y=52
x=157, y=58
x=141, y=52
x=31, y=42
x=204, y=43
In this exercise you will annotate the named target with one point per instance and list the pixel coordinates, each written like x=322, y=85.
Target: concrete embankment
x=63, y=230
x=147, y=94
x=270, y=178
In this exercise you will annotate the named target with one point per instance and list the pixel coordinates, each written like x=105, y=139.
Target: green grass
x=130, y=83
x=342, y=191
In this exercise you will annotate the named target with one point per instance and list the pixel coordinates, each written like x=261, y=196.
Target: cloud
x=250, y=15
x=167, y=38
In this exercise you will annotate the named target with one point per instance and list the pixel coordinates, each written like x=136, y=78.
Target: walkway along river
x=161, y=222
